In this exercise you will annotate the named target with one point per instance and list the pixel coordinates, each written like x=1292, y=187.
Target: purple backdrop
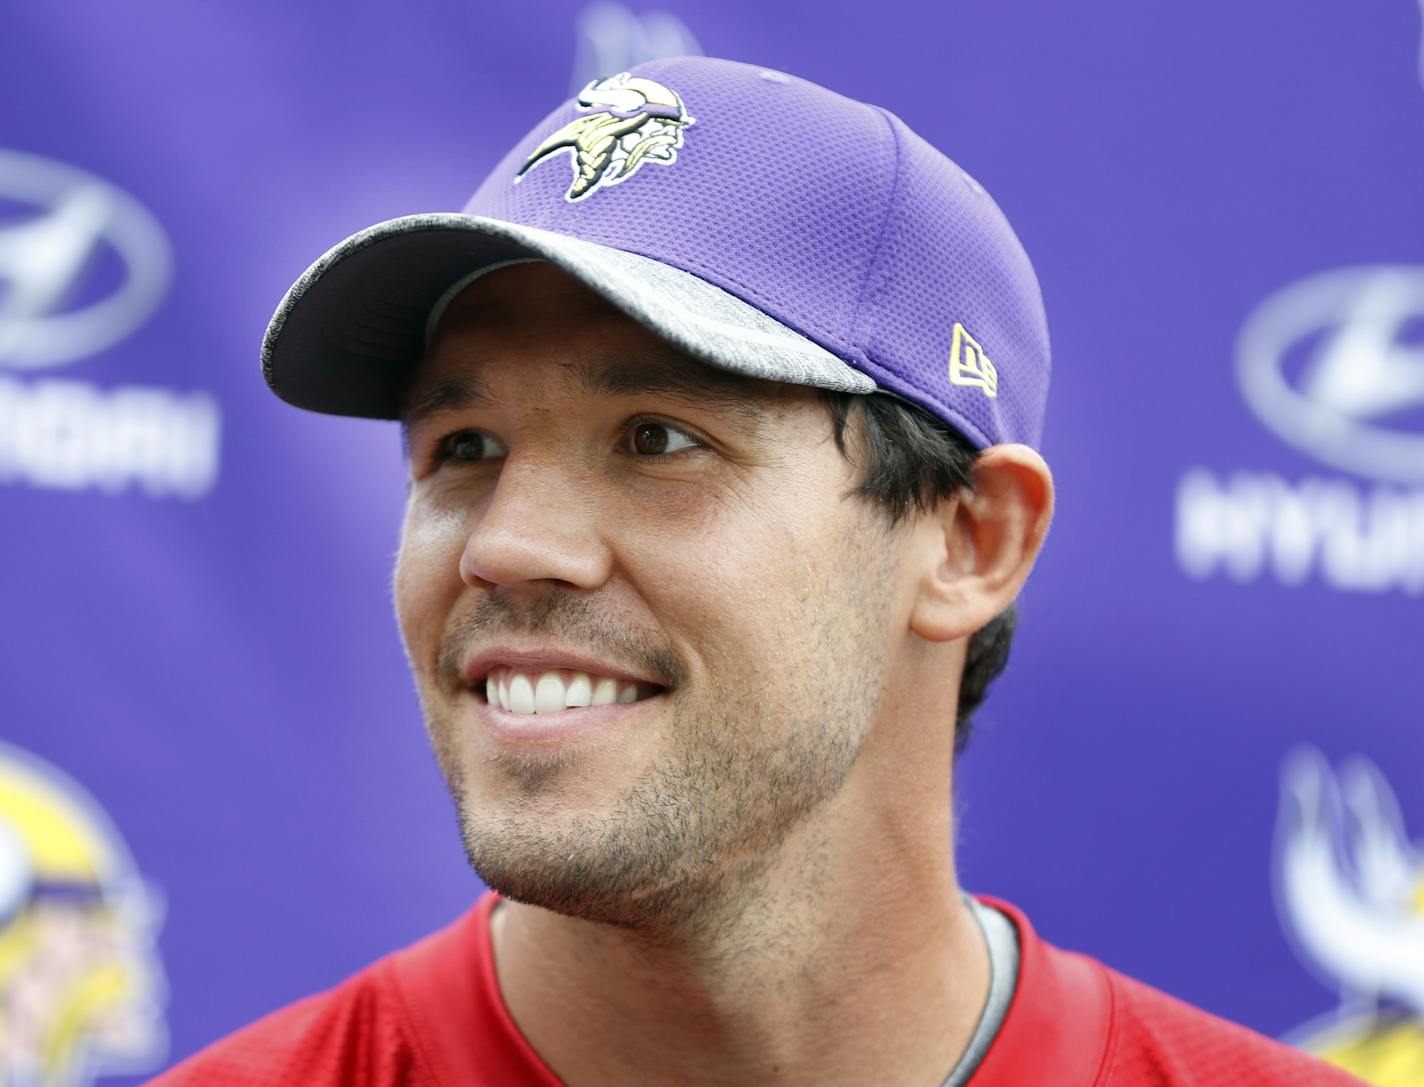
x=1203, y=765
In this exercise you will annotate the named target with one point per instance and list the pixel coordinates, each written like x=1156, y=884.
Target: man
x=721, y=402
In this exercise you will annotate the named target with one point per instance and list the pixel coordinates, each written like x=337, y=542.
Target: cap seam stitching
x=859, y=316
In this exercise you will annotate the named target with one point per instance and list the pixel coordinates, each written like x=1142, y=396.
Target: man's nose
x=540, y=523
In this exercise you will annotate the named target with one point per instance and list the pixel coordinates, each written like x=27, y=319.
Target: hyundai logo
x=1334, y=365
x=54, y=306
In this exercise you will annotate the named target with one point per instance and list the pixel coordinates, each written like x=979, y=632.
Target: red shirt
x=431, y=1015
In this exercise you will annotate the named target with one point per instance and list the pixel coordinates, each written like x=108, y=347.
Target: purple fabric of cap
x=827, y=214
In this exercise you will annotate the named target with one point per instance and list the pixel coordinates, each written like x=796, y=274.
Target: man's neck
x=833, y=968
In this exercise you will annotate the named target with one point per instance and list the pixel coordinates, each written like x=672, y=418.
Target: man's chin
x=577, y=875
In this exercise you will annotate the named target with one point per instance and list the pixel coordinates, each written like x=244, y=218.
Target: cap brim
x=351, y=330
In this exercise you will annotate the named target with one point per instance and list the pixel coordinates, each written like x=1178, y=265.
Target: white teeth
x=521, y=694
x=549, y=694
x=580, y=692
x=524, y=693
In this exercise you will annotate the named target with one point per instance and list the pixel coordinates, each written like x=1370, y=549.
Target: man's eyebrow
x=453, y=393
x=677, y=377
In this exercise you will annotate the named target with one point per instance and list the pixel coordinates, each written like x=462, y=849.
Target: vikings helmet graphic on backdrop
x=81, y=987
x=1350, y=892
x=637, y=120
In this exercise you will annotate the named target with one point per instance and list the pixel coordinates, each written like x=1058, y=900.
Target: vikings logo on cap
x=80, y=983
x=1350, y=891
x=637, y=120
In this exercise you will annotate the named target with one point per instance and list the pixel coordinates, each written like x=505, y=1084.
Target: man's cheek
x=418, y=610
x=427, y=536
x=402, y=588
x=746, y=623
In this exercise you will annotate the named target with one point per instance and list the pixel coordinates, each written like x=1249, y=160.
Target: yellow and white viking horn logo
x=1350, y=891
x=81, y=988
x=636, y=121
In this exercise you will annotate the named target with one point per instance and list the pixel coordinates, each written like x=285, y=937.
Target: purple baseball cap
x=761, y=223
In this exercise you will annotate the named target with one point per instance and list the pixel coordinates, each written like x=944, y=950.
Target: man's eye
x=465, y=445
x=648, y=438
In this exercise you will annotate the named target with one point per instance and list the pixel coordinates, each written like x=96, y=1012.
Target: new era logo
x=968, y=365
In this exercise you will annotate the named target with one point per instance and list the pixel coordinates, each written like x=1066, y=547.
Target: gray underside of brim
x=348, y=334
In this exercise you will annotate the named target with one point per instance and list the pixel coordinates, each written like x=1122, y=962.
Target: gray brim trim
x=348, y=334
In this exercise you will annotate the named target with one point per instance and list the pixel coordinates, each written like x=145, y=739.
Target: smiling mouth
x=549, y=692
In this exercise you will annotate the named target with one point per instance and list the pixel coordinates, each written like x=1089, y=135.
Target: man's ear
x=976, y=550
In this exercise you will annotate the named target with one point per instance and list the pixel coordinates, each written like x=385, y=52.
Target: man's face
x=734, y=573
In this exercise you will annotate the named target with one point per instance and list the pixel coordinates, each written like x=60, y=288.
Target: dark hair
x=912, y=461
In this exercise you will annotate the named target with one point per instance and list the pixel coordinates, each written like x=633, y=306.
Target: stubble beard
x=686, y=841
x=678, y=850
